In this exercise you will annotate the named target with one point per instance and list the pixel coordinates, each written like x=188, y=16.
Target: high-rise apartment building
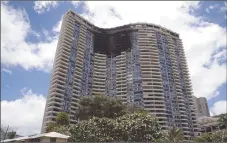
x=196, y=107
x=201, y=106
x=138, y=63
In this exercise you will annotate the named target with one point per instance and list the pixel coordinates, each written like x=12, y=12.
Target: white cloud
x=27, y=55
x=214, y=6
x=199, y=41
x=217, y=93
x=24, y=115
x=76, y=3
x=223, y=8
x=207, y=10
x=6, y=71
x=218, y=108
x=220, y=7
x=44, y=6
x=57, y=27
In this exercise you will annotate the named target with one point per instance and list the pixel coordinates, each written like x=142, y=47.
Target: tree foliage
x=139, y=127
x=218, y=136
x=62, y=119
x=2, y=133
x=223, y=120
x=94, y=129
x=103, y=106
x=100, y=106
x=129, y=127
x=173, y=135
x=6, y=134
x=62, y=129
x=11, y=134
x=50, y=127
x=105, y=119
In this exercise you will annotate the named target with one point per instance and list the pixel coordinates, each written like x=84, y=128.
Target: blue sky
x=29, y=34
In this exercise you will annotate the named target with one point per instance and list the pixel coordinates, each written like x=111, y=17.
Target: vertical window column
x=183, y=88
x=111, y=76
x=87, y=75
x=170, y=97
x=70, y=75
x=129, y=71
x=136, y=70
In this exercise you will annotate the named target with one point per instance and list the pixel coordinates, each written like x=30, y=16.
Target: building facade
x=210, y=124
x=201, y=106
x=138, y=63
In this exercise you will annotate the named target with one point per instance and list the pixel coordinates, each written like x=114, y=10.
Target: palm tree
x=204, y=137
x=174, y=135
x=223, y=120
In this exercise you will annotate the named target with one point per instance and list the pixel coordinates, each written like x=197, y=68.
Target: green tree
x=130, y=127
x=218, y=136
x=204, y=137
x=102, y=106
x=223, y=120
x=62, y=129
x=2, y=133
x=92, y=130
x=173, y=135
x=51, y=126
x=6, y=134
x=62, y=118
x=11, y=134
x=137, y=127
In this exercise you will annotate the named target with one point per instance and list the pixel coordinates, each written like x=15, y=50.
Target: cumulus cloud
x=24, y=115
x=220, y=7
x=76, y=3
x=27, y=55
x=200, y=37
x=44, y=6
x=223, y=8
x=6, y=71
x=57, y=27
x=218, y=108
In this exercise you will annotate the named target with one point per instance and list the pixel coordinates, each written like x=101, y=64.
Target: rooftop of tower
x=120, y=28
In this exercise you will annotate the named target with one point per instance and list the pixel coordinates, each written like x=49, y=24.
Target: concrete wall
x=61, y=140
x=45, y=139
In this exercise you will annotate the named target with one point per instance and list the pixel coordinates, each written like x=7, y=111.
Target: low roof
x=15, y=139
x=51, y=135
